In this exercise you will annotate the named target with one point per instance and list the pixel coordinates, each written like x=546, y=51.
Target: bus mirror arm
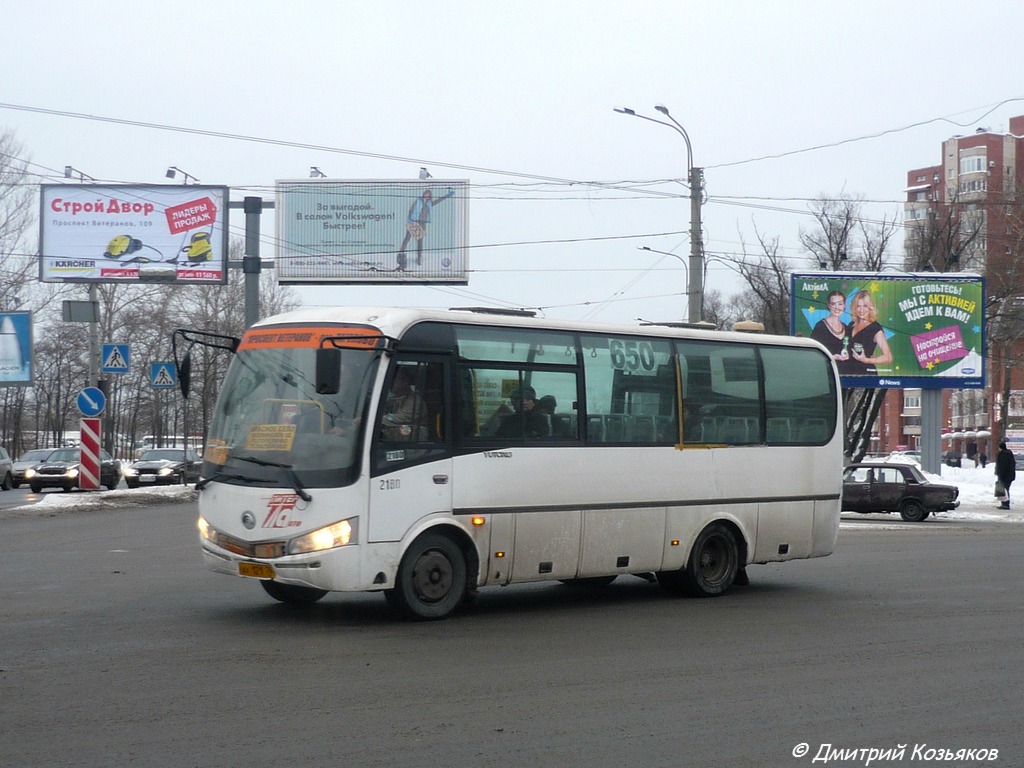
x=203, y=338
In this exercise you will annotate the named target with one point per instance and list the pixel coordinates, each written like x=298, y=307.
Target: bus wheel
x=712, y=568
x=913, y=511
x=431, y=579
x=291, y=594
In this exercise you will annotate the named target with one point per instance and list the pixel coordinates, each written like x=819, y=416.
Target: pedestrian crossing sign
x=163, y=375
x=115, y=359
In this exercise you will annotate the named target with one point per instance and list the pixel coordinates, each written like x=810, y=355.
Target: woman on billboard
x=868, y=345
x=832, y=332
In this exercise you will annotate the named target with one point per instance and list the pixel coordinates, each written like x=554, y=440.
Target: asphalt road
x=117, y=650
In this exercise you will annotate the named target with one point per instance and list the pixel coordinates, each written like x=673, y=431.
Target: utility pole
x=695, y=179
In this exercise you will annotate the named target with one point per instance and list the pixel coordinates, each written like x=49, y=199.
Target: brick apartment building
x=965, y=215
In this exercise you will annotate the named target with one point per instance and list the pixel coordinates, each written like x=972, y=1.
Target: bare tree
x=766, y=274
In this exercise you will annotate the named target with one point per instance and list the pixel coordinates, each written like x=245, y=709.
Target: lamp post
x=695, y=177
x=681, y=261
x=188, y=177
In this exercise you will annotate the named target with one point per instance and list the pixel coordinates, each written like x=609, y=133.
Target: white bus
x=418, y=453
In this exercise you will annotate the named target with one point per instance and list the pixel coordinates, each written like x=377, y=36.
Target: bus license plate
x=256, y=570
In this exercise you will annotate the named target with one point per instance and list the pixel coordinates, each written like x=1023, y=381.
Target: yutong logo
x=279, y=511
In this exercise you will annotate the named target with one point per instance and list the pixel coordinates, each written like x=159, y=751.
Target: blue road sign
x=163, y=375
x=91, y=401
x=115, y=359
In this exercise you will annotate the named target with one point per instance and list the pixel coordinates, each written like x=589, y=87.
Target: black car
x=62, y=467
x=163, y=466
x=894, y=487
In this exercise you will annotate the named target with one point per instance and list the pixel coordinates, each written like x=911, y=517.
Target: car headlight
x=337, y=535
x=71, y=472
x=30, y=473
x=165, y=471
x=130, y=472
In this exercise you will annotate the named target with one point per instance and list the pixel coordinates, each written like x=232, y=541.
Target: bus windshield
x=271, y=426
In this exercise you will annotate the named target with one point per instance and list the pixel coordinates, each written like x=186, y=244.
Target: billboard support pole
x=251, y=264
x=931, y=429
x=94, y=338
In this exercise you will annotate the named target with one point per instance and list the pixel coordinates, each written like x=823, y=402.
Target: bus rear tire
x=431, y=579
x=712, y=567
x=291, y=594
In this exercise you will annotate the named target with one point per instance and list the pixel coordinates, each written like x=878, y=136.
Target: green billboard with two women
x=896, y=330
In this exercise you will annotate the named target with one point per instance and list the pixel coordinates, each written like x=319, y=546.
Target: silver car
x=6, y=471
x=29, y=459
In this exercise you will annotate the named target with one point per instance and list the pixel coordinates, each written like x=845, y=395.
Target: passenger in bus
x=406, y=412
x=525, y=420
x=556, y=426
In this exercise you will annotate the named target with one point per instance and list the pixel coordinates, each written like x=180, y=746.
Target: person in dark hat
x=525, y=420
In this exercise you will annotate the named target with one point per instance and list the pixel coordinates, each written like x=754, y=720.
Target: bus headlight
x=337, y=535
x=206, y=531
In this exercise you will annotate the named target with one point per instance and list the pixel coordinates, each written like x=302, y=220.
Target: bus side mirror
x=185, y=373
x=328, y=370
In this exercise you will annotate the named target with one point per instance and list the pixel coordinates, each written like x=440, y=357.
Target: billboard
x=15, y=349
x=124, y=233
x=903, y=330
x=334, y=231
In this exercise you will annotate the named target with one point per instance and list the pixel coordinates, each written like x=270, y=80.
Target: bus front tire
x=291, y=594
x=431, y=579
x=712, y=567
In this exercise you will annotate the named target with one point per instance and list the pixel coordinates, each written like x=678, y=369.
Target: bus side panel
x=826, y=528
x=622, y=541
x=784, y=531
x=547, y=545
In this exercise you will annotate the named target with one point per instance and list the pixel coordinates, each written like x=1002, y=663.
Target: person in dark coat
x=1006, y=471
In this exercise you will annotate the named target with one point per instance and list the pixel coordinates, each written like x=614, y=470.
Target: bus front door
x=411, y=464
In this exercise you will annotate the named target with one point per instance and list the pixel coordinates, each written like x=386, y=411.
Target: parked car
x=61, y=469
x=895, y=487
x=29, y=459
x=163, y=466
x=6, y=470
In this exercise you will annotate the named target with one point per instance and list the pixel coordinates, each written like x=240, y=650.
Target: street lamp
x=175, y=169
x=681, y=261
x=695, y=177
x=69, y=173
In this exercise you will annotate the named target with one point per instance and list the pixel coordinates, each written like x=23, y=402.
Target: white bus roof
x=395, y=321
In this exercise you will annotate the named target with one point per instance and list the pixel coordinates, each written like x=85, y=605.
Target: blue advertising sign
x=380, y=231
x=15, y=349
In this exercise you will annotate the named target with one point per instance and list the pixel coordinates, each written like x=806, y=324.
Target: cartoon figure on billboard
x=416, y=223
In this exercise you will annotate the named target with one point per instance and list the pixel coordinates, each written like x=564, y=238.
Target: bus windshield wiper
x=289, y=472
x=205, y=481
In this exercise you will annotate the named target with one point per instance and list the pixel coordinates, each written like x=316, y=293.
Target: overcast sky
x=784, y=101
